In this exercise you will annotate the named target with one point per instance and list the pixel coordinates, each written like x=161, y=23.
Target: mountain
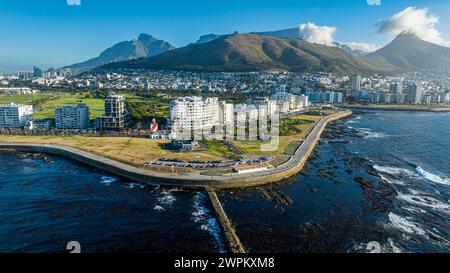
x=252, y=52
x=294, y=33
x=207, y=38
x=290, y=33
x=354, y=52
x=144, y=46
x=409, y=52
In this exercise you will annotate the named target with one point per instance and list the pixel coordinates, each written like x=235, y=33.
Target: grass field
x=303, y=125
x=217, y=148
x=23, y=99
x=44, y=104
x=47, y=109
x=133, y=151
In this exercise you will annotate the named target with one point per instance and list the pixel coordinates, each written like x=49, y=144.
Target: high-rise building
x=194, y=115
x=356, y=82
x=414, y=93
x=116, y=114
x=25, y=75
x=72, y=117
x=37, y=72
x=325, y=97
x=396, y=88
x=15, y=116
x=284, y=97
x=226, y=112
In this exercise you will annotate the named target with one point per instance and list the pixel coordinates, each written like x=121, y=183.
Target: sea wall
x=292, y=167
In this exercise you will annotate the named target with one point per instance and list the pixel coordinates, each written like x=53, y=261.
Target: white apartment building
x=266, y=107
x=15, y=116
x=301, y=101
x=226, y=113
x=189, y=114
x=282, y=98
x=72, y=117
x=246, y=112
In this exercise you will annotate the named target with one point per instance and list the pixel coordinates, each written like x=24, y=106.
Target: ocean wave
x=164, y=199
x=405, y=224
x=108, y=180
x=377, y=247
x=158, y=208
x=354, y=120
x=133, y=185
x=432, y=177
x=202, y=215
x=370, y=134
x=423, y=201
x=414, y=209
x=392, y=181
x=394, y=170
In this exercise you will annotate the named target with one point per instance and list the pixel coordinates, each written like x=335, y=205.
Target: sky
x=54, y=33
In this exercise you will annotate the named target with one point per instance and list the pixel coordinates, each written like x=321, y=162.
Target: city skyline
x=45, y=33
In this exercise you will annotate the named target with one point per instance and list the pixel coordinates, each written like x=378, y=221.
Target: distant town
x=203, y=98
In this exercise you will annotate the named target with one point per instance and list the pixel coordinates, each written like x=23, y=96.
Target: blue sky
x=53, y=33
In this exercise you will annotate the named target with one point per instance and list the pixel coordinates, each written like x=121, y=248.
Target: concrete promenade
x=293, y=166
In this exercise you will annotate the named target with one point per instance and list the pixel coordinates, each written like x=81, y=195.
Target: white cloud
x=414, y=20
x=366, y=47
x=74, y=2
x=317, y=34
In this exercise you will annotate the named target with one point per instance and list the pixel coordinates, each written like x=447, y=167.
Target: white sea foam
x=164, y=199
x=133, y=185
x=405, y=224
x=394, y=170
x=432, y=177
x=392, y=181
x=423, y=201
x=203, y=216
x=370, y=134
x=108, y=180
x=158, y=208
x=377, y=247
x=414, y=209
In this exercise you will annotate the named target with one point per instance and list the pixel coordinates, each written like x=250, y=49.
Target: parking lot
x=209, y=164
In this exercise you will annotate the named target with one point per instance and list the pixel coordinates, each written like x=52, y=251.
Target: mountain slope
x=408, y=52
x=290, y=33
x=251, y=52
x=144, y=46
x=207, y=38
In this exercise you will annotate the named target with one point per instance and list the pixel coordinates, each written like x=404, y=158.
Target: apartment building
x=116, y=116
x=189, y=114
x=72, y=117
x=15, y=115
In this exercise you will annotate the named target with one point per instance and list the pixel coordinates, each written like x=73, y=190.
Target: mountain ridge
x=253, y=52
x=407, y=51
x=144, y=46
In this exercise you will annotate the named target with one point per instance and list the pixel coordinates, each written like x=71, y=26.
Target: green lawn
x=217, y=148
x=44, y=104
x=47, y=109
x=23, y=99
